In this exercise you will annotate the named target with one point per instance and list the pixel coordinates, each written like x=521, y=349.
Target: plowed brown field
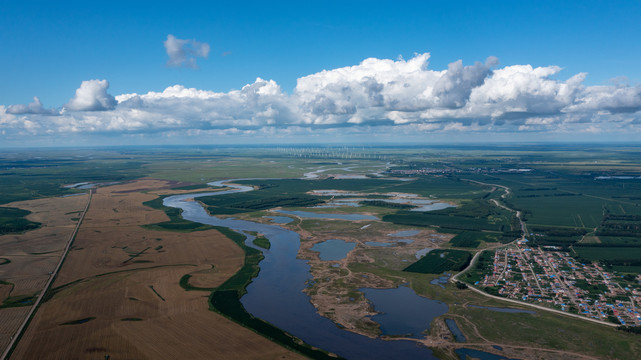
x=34, y=254
x=122, y=296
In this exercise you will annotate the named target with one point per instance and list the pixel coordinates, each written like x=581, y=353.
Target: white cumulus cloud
x=183, y=52
x=377, y=96
x=92, y=96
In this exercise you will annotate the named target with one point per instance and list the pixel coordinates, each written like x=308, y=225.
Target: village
x=550, y=277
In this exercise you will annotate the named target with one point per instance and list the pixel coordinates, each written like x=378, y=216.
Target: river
x=276, y=294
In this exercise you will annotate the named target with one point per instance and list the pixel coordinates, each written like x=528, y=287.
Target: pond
x=403, y=312
x=419, y=254
x=458, y=334
x=333, y=250
x=433, y=207
x=440, y=281
x=405, y=241
x=405, y=233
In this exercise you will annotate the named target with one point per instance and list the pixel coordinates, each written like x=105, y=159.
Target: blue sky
x=51, y=48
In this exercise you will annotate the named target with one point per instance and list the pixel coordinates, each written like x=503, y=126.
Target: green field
x=440, y=261
x=13, y=220
x=474, y=215
x=472, y=239
x=604, y=253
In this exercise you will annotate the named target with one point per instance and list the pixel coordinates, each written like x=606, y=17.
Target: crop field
x=472, y=239
x=620, y=240
x=29, y=257
x=119, y=271
x=473, y=215
x=605, y=253
x=440, y=261
x=11, y=318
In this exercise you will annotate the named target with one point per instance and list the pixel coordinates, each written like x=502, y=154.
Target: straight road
x=52, y=277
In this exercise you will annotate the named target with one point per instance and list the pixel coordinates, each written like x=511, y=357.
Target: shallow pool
x=332, y=250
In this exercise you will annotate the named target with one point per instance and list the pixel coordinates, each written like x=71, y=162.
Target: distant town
x=447, y=170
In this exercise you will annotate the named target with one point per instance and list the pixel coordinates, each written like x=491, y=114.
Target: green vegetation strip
x=184, y=283
x=226, y=301
x=133, y=256
x=193, y=187
x=385, y=204
x=156, y=292
x=79, y=321
x=18, y=301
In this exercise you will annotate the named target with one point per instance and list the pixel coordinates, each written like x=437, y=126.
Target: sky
x=421, y=72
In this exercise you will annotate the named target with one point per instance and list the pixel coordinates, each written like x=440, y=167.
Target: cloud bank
x=34, y=107
x=378, y=95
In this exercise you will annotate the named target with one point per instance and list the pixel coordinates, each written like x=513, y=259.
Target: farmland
x=138, y=274
x=29, y=257
x=120, y=270
x=440, y=261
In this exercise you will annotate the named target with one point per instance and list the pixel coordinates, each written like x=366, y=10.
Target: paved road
x=52, y=277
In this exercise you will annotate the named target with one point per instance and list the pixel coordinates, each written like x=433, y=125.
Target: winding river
x=276, y=294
